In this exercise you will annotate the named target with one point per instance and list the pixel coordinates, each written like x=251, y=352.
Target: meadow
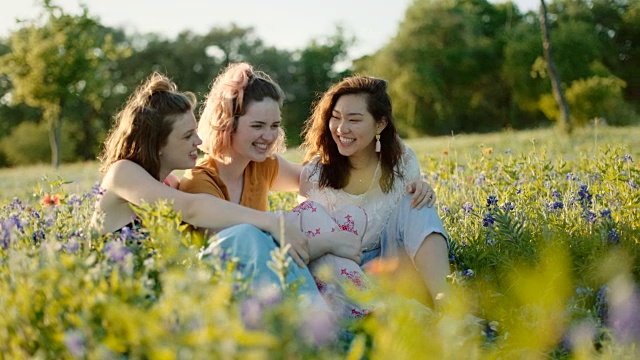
x=545, y=257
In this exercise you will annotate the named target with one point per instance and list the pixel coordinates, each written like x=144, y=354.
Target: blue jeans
x=252, y=247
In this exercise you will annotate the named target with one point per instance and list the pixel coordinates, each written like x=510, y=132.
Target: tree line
x=453, y=66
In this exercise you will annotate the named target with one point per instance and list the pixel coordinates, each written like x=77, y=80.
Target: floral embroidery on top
x=356, y=279
x=377, y=204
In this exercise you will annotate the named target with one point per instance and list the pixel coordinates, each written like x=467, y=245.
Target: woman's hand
x=286, y=232
x=422, y=194
x=344, y=244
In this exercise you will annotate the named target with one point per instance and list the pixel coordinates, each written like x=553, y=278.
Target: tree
x=565, y=118
x=313, y=70
x=444, y=67
x=52, y=65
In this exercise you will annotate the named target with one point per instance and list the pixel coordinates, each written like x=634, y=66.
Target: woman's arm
x=423, y=193
x=132, y=183
x=288, y=175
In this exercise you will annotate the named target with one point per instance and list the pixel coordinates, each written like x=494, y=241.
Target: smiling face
x=352, y=127
x=257, y=132
x=181, y=150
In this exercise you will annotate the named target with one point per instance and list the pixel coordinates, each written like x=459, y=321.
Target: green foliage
x=602, y=98
x=28, y=143
x=51, y=66
x=595, y=98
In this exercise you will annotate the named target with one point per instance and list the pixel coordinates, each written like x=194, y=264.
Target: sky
x=285, y=24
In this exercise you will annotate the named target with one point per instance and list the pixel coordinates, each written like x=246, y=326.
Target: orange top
x=258, y=180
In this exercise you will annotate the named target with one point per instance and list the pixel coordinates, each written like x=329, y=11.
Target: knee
x=247, y=238
x=243, y=230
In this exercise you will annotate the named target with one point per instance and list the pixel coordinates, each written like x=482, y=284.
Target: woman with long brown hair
x=355, y=158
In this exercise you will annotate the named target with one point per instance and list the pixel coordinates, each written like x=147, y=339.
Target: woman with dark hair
x=354, y=158
x=154, y=134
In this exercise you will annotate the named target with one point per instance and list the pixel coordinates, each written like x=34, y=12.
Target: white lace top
x=374, y=201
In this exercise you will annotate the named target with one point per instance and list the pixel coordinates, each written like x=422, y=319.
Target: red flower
x=51, y=200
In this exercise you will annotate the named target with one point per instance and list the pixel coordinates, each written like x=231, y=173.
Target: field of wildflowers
x=545, y=256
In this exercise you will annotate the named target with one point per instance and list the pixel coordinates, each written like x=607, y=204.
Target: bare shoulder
x=125, y=169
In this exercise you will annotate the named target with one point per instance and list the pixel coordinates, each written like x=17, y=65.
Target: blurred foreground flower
x=51, y=200
x=624, y=310
x=381, y=266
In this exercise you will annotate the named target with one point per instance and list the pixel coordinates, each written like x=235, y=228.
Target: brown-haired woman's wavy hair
x=231, y=93
x=319, y=142
x=143, y=125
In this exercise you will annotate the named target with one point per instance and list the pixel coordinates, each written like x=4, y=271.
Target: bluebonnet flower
x=602, y=303
x=584, y=196
x=97, y=190
x=319, y=327
x=508, y=151
x=74, y=200
x=490, y=330
x=556, y=205
x=15, y=221
x=547, y=184
x=38, y=236
x=614, y=237
x=16, y=204
x=590, y=216
x=76, y=234
x=624, y=317
x=469, y=273
x=556, y=194
x=127, y=234
x=116, y=251
x=508, y=206
x=488, y=220
x=5, y=234
x=251, y=313
x=467, y=208
x=49, y=221
x=579, y=335
x=481, y=179
x=35, y=215
x=445, y=210
x=71, y=246
x=75, y=343
x=606, y=213
x=632, y=184
x=627, y=157
x=492, y=200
